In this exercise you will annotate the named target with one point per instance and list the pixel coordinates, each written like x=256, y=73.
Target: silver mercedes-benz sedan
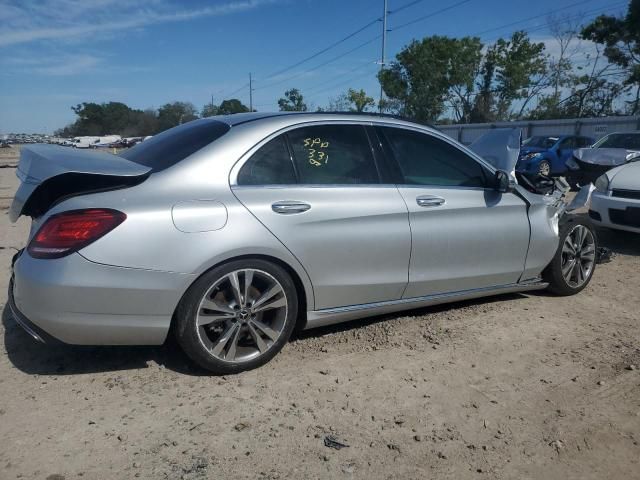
x=233, y=231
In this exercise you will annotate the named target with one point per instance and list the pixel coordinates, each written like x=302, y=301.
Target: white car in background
x=616, y=200
x=84, y=142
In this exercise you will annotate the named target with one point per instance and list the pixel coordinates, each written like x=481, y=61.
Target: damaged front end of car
x=547, y=198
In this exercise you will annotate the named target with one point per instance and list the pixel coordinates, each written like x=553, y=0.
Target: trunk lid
x=49, y=173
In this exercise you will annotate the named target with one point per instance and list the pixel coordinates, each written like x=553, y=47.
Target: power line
x=429, y=15
x=405, y=6
x=324, y=87
x=304, y=72
x=235, y=91
x=345, y=82
x=351, y=35
x=598, y=10
x=364, y=27
x=335, y=44
x=506, y=25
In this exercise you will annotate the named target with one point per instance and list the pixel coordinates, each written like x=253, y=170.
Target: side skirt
x=329, y=316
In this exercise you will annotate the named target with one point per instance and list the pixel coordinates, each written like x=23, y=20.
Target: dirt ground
x=512, y=387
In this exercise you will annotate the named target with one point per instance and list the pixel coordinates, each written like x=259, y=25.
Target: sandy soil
x=519, y=386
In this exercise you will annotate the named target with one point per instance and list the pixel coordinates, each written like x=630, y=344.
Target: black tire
x=187, y=331
x=553, y=274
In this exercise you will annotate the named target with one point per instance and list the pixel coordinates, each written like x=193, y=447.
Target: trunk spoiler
x=50, y=172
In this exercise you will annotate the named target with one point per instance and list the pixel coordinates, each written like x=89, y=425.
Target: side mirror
x=503, y=182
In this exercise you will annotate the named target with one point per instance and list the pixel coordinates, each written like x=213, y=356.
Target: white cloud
x=52, y=65
x=27, y=22
x=578, y=50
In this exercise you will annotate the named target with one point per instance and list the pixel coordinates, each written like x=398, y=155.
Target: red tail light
x=68, y=232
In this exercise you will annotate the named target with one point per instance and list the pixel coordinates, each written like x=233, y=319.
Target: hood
x=625, y=177
x=609, y=157
x=500, y=147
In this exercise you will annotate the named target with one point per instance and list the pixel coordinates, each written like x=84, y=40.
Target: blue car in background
x=546, y=155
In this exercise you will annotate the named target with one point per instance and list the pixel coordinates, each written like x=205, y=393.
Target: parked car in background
x=106, y=141
x=547, y=155
x=84, y=142
x=131, y=141
x=616, y=200
x=587, y=164
x=237, y=229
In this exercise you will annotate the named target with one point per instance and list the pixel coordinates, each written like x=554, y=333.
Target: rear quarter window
x=171, y=146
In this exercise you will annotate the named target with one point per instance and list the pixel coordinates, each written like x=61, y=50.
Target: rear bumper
x=75, y=301
x=27, y=325
x=606, y=211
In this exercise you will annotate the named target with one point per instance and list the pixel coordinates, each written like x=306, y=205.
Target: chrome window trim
x=316, y=185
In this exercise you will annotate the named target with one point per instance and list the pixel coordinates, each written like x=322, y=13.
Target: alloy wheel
x=578, y=256
x=544, y=169
x=242, y=315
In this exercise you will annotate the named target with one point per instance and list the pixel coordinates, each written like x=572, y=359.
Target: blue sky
x=57, y=53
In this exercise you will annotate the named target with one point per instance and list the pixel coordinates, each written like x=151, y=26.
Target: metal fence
x=589, y=127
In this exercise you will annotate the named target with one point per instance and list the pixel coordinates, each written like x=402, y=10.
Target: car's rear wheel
x=237, y=316
x=573, y=264
x=544, y=168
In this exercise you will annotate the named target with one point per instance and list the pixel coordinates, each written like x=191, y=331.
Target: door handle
x=287, y=207
x=429, y=201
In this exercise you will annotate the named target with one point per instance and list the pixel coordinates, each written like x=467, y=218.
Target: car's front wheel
x=544, y=168
x=573, y=264
x=237, y=316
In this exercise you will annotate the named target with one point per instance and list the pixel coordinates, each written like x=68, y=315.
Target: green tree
x=90, y=119
x=142, y=123
x=176, y=113
x=339, y=103
x=209, y=110
x=561, y=69
x=360, y=100
x=520, y=64
x=227, y=107
x=419, y=82
x=621, y=39
x=293, y=101
x=102, y=119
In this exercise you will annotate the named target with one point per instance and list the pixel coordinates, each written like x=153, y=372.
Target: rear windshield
x=169, y=147
x=629, y=141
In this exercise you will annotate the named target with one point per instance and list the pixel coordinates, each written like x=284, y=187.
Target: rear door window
x=171, y=146
x=333, y=154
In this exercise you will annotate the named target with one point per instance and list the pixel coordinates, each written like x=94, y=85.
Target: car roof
x=241, y=118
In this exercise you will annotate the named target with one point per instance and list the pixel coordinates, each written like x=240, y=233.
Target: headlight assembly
x=602, y=183
x=530, y=156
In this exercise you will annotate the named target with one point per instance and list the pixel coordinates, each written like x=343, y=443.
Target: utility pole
x=250, y=93
x=384, y=47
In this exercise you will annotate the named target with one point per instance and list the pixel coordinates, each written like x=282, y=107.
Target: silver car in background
x=233, y=231
x=616, y=201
